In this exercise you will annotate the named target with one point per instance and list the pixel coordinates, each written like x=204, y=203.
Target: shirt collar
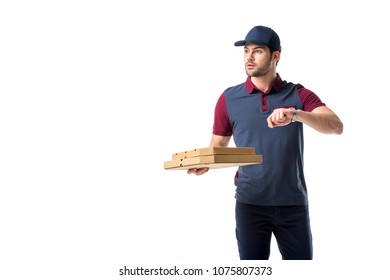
x=251, y=88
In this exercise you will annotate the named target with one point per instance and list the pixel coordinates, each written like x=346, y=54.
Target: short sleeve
x=222, y=125
x=309, y=99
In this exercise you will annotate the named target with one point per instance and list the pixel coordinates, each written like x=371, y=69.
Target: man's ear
x=276, y=56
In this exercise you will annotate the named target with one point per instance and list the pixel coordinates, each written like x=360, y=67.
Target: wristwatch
x=294, y=114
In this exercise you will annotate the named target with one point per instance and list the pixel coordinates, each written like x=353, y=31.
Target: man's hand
x=198, y=171
x=279, y=117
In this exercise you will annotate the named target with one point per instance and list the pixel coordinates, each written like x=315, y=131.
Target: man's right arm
x=219, y=141
x=216, y=141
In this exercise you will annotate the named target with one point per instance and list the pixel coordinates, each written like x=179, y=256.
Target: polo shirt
x=241, y=111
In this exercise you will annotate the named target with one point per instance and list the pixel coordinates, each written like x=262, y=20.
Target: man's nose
x=250, y=56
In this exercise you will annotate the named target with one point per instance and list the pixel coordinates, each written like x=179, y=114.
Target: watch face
x=294, y=114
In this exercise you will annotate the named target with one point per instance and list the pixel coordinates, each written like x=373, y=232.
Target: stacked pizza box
x=213, y=158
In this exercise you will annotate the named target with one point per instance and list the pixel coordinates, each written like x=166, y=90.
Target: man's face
x=258, y=61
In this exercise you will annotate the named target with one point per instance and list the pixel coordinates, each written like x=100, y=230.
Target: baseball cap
x=261, y=35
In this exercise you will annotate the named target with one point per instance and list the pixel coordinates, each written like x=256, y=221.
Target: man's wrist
x=294, y=114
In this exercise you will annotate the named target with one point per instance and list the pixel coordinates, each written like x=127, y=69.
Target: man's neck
x=265, y=82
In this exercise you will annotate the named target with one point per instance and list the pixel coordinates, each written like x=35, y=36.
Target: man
x=268, y=113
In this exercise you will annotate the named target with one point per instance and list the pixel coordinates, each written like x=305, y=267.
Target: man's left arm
x=322, y=119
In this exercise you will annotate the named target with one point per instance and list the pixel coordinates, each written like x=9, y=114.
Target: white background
x=96, y=95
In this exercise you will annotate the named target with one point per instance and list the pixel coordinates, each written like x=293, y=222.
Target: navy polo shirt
x=242, y=111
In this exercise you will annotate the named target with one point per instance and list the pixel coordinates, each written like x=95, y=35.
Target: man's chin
x=255, y=74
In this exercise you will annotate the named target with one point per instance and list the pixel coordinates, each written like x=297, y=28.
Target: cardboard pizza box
x=213, y=158
x=214, y=151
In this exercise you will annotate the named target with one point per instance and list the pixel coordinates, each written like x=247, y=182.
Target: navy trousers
x=289, y=224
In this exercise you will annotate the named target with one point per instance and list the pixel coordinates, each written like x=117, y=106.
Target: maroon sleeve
x=222, y=125
x=309, y=99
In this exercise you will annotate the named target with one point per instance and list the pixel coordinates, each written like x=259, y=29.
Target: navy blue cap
x=261, y=35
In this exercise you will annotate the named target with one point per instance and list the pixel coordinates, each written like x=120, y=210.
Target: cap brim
x=243, y=42
x=240, y=43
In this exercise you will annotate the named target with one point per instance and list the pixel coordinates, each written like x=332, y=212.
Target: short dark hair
x=272, y=50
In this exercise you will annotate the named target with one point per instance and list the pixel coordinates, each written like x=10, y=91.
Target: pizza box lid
x=214, y=151
x=213, y=161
